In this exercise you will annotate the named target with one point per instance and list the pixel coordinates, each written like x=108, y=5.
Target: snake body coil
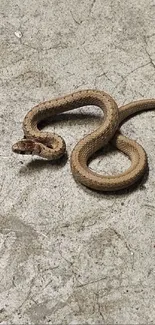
x=51, y=146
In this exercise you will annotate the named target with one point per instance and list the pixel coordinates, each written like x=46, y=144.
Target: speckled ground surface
x=69, y=255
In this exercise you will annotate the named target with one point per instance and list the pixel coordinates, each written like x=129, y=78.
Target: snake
x=51, y=146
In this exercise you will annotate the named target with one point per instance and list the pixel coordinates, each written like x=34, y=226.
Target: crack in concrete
x=82, y=226
x=90, y=282
x=75, y=20
x=101, y=75
x=139, y=67
x=125, y=77
x=68, y=262
x=99, y=307
x=122, y=239
x=147, y=52
x=91, y=6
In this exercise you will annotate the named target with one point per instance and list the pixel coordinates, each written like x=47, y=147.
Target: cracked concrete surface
x=69, y=255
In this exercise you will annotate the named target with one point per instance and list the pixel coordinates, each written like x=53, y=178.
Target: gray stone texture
x=69, y=255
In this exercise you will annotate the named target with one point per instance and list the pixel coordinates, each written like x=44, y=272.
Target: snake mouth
x=24, y=152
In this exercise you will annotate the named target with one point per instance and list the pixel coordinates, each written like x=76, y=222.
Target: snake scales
x=51, y=146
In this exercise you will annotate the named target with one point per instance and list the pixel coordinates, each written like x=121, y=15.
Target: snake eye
x=49, y=146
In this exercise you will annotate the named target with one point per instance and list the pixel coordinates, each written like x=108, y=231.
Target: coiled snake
x=51, y=146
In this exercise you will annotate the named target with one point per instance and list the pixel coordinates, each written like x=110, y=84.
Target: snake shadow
x=71, y=117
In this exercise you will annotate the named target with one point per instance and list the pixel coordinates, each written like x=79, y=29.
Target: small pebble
x=18, y=34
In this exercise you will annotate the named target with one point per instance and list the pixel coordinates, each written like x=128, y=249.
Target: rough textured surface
x=69, y=255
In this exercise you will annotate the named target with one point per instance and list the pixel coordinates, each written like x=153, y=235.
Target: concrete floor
x=69, y=255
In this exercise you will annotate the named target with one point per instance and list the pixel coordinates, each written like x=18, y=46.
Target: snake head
x=26, y=147
x=45, y=148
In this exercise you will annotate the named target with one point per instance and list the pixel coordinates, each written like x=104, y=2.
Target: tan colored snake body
x=51, y=146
